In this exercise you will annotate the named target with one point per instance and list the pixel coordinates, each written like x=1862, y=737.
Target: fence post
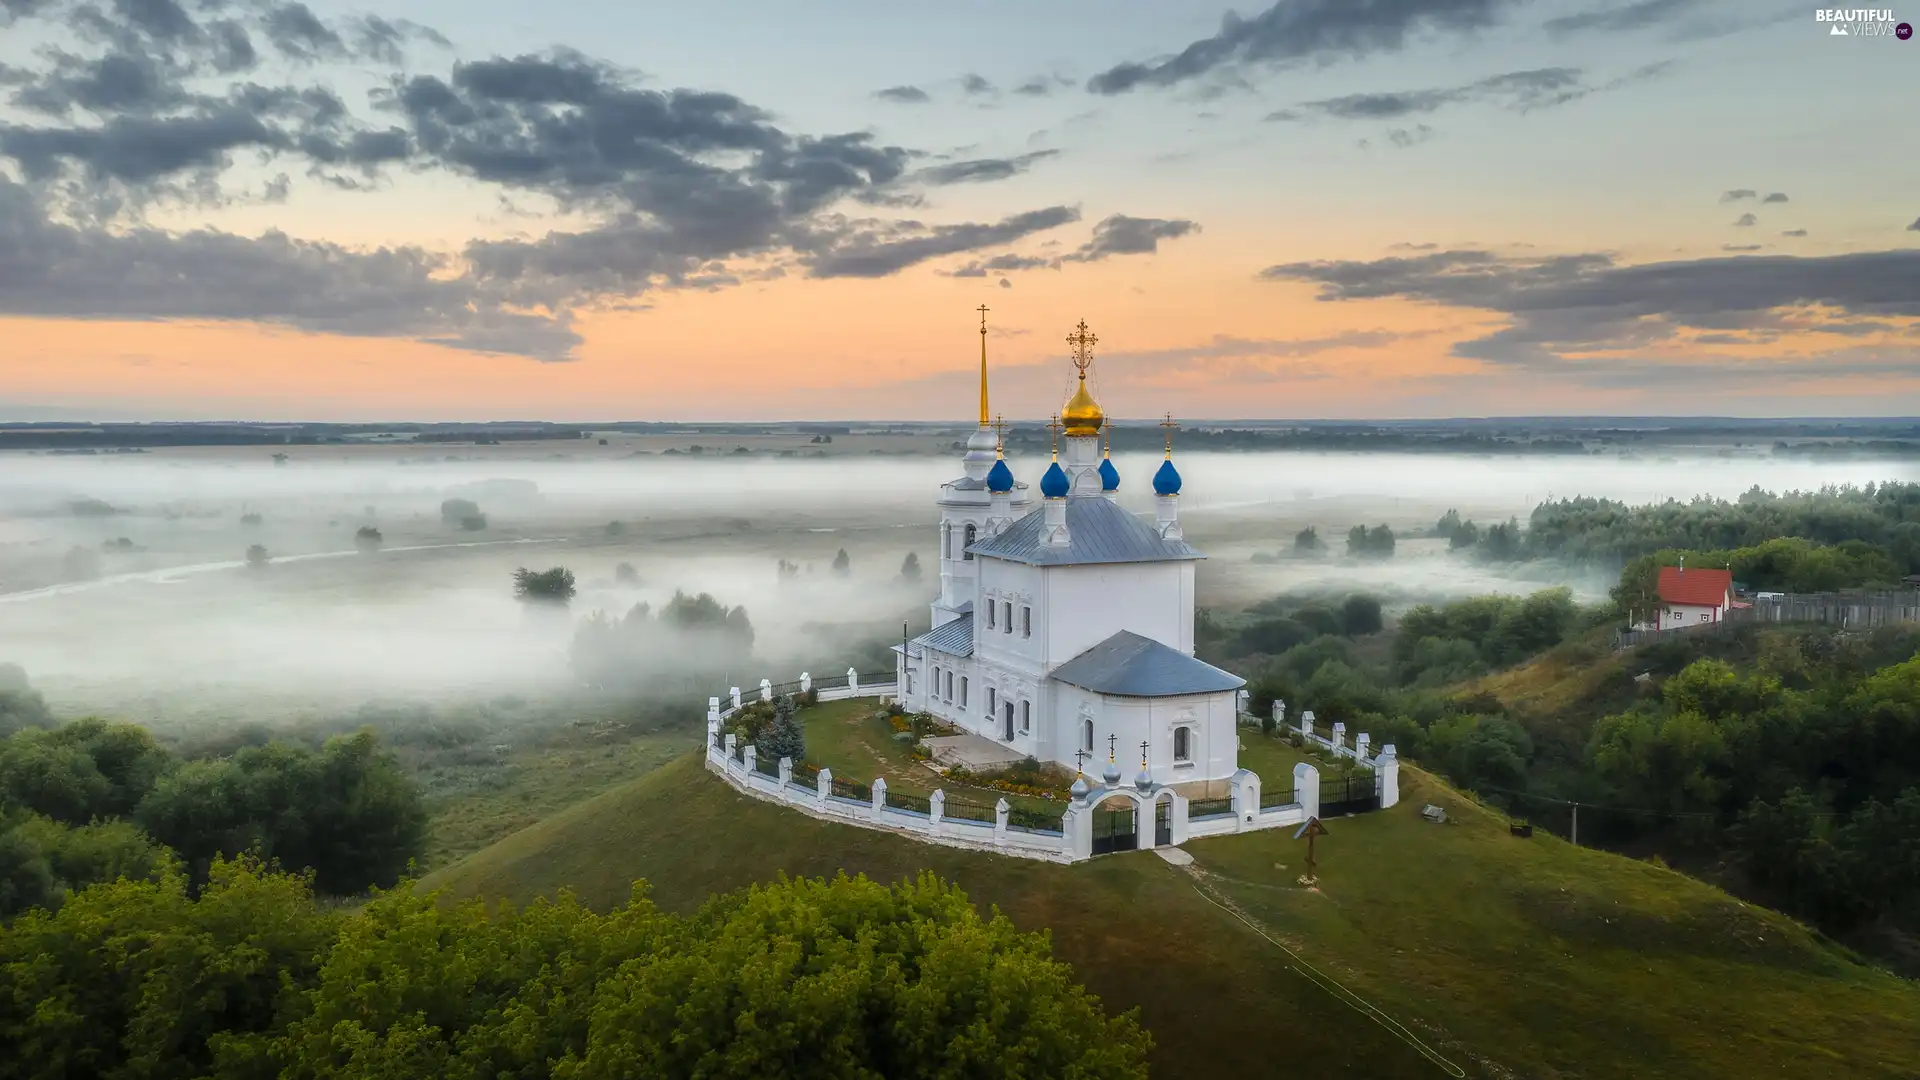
x=1246, y=799
x=1179, y=822
x=879, y=796
x=1076, y=833
x=806, y=683
x=766, y=689
x=1306, y=723
x=734, y=692
x=1279, y=714
x=713, y=734
x=936, y=808
x=1306, y=788
x=853, y=682
x=1001, y=811
x=1339, y=737
x=1360, y=746
x=823, y=786
x=1244, y=699
x=786, y=772
x=1388, y=769
x=731, y=737
x=713, y=710
x=750, y=757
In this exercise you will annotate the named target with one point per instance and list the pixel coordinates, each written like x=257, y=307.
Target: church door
x=1009, y=724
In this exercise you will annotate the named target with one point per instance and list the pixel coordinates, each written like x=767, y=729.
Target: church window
x=1008, y=608
x=1026, y=621
x=963, y=691
x=971, y=532
x=990, y=610
x=949, y=687
x=990, y=709
x=1086, y=734
x=1182, y=744
x=946, y=541
x=1026, y=717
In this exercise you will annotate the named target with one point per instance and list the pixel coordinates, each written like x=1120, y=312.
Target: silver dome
x=1112, y=774
x=1144, y=780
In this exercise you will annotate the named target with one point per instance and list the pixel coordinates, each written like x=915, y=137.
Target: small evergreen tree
x=910, y=567
x=1307, y=539
x=368, y=539
x=841, y=564
x=785, y=738
x=257, y=556
x=625, y=574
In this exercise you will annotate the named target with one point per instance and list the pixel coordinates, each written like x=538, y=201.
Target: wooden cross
x=1313, y=828
x=1083, y=341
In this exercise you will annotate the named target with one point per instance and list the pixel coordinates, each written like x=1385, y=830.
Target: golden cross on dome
x=1171, y=427
x=1083, y=341
x=999, y=433
x=1054, y=426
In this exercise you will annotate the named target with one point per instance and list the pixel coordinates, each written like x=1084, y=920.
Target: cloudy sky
x=582, y=209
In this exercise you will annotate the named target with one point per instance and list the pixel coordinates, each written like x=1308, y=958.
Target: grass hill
x=1510, y=957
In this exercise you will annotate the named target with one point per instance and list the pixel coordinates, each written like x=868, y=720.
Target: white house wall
x=1677, y=616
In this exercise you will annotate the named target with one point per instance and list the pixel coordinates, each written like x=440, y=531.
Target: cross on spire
x=1111, y=741
x=1171, y=427
x=1054, y=426
x=1083, y=340
x=1080, y=761
x=1143, y=754
x=999, y=434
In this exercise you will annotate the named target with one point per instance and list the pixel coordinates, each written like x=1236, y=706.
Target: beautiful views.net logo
x=1862, y=22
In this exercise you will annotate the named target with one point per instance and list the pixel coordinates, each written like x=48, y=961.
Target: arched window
x=971, y=532
x=1086, y=735
x=946, y=540
x=991, y=709
x=1026, y=717
x=1008, y=608
x=1182, y=744
x=949, y=687
x=963, y=691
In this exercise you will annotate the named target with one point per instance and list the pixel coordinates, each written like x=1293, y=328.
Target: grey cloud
x=300, y=35
x=1405, y=246
x=1293, y=32
x=1915, y=227
x=1005, y=284
x=1042, y=85
x=1123, y=235
x=1620, y=19
x=1794, y=232
x=1406, y=137
x=904, y=95
x=982, y=170
x=1777, y=196
x=1521, y=91
x=1003, y=263
x=386, y=40
x=1738, y=194
x=886, y=250
x=1740, y=247
x=1587, y=303
x=53, y=270
x=975, y=84
x=1745, y=221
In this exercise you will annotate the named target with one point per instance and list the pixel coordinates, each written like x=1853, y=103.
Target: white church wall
x=1019, y=584
x=1086, y=605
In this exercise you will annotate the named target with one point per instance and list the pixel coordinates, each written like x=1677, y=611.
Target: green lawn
x=1512, y=957
x=853, y=738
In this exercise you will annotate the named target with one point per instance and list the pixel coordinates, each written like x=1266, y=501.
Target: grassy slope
x=1515, y=957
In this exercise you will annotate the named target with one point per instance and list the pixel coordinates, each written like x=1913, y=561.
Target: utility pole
x=1576, y=824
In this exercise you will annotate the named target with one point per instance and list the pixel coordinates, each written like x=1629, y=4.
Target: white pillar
x=1279, y=713
x=823, y=786
x=735, y=693
x=806, y=683
x=1001, y=812
x=1306, y=722
x=786, y=771
x=879, y=796
x=766, y=689
x=1180, y=833
x=1388, y=769
x=730, y=745
x=1242, y=700
x=1246, y=798
x=713, y=708
x=1076, y=828
x=750, y=758
x=1306, y=788
x=853, y=679
x=1339, y=737
x=936, y=807
x=713, y=734
x=1360, y=746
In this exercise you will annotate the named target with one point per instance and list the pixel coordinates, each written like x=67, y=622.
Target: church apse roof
x=955, y=637
x=1129, y=665
x=1100, y=530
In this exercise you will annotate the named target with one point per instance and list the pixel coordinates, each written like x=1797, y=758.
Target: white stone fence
x=1385, y=764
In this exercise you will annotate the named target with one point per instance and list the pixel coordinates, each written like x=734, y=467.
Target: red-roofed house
x=1692, y=597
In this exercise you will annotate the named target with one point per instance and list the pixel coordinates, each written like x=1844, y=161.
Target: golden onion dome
x=1082, y=416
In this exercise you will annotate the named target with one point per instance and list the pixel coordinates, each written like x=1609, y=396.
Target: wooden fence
x=1853, y=610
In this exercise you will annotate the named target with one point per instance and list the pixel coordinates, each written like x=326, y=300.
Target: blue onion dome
x=1167, y=480
x=1080, y=787
x=1054, y=484
x=1111, y=774
x=1000, y=478
x=1109, y=476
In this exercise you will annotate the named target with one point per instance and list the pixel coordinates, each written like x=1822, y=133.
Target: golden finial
x=1083, y=341
x=1170, y=426
x=983, y=365
x=1053, y=426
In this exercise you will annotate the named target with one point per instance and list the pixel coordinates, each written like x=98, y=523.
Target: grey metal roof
x=1099, y=531
x=966, y=483
x=1128, y=665
x=954, y=638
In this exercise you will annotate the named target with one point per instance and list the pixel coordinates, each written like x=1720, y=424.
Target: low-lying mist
x=134, y=583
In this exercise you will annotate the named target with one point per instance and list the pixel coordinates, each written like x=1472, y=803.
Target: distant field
x=1510, y=957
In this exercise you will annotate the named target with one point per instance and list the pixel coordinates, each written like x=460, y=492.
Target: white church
x=1064, y=627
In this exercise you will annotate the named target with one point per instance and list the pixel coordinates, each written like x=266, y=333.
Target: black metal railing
x=1271, y=797
x=968, y=811
x=851, y=789
x=1349, y=795
x=740, y=752
x=1201, y=808
x=830, y=682
x=719, y=740
x=1020, y=817
x=916, y=804
x=807, y=774
x=782, y=689
x=877, y=678
x=767, y=766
